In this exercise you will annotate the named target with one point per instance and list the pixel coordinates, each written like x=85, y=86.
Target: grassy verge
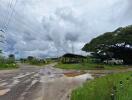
x=8, y=66
x=111, y=87
x=39, y=63
x=90, y=66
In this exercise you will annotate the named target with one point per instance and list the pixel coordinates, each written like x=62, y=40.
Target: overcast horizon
x=49, y=28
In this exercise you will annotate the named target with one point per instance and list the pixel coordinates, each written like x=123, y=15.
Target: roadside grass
x=8, y=66
x=36, y=63
x=90, y=66
x=111, y=87
x=39, y=63
x=7, y=63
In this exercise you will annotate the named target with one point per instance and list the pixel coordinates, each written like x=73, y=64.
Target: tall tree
x=116, y=44
x=11, y=58
x=29, y=58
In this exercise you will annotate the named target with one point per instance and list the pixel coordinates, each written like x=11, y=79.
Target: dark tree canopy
x=30, y=58
x=11, y=56
x=73, y=55
x=119, y=36
x=116, y=44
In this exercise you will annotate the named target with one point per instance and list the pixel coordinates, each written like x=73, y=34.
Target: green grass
x=103, y=88
x=37, y=63
x=89, y=66
x=8, y=66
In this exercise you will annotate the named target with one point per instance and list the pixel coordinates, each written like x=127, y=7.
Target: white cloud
x=49, y=27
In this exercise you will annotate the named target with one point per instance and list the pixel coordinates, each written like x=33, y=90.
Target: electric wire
x=10, y=2
x=23, y=22
x=10, y=17
x=7, y=19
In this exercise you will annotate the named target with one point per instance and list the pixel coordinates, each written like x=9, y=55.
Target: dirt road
x=35, y=83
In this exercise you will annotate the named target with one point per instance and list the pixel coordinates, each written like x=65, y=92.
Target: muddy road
x=38, y=83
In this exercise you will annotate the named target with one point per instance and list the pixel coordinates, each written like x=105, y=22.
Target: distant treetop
x=121, y=36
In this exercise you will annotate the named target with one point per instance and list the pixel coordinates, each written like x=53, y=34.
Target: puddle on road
x=78, y=76
x=3, y=92
x=73, y=74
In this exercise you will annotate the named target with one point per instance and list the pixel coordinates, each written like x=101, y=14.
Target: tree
x=11, y=58
x=30, y=58
x=113, y=44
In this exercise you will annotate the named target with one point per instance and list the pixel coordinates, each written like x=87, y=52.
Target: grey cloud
x=62, y=27
x=49, y=28
x=68, y=14
x=127, y=15
x=72, y=36
x=28, y=37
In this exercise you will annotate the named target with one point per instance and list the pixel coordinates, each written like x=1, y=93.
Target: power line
x=26, y=26
x=8, y=12
x=25, y=23
x=9, y=20
x=4, y=21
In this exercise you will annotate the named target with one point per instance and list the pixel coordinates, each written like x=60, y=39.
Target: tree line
x=116, y=44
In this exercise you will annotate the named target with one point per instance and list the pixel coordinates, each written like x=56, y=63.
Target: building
x=72, y=58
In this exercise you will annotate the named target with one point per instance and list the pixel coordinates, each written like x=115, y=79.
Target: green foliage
x=34, y=61
x=12, y=58
x=7, y=63
x=89, y=66
x=112, y=45
x=111, y=87
x=121, y=35
x=37, y=61
x=23, y=60
x=30, y=58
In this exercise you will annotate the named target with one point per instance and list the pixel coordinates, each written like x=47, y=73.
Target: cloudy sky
x=49, y=28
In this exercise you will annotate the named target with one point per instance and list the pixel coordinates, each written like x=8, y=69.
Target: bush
x=7, y=63
x=37, y=61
